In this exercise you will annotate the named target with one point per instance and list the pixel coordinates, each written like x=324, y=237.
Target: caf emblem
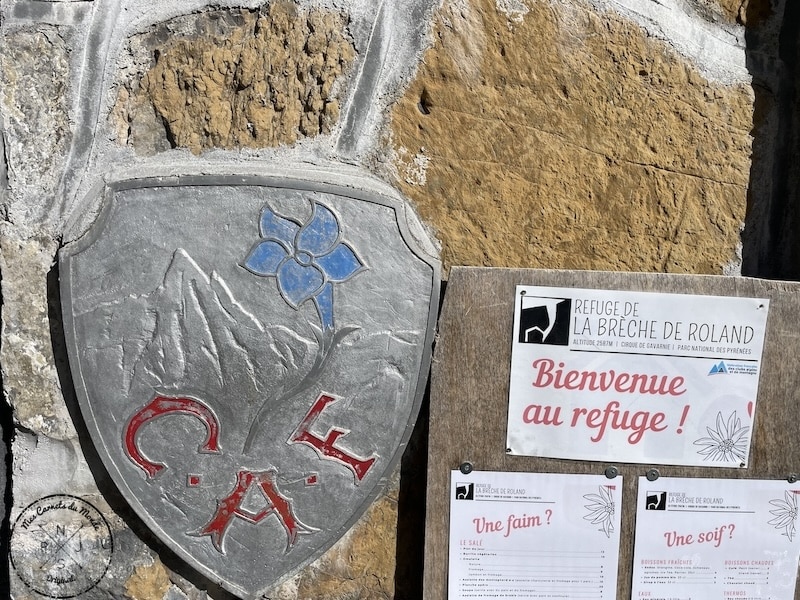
x=249, y=355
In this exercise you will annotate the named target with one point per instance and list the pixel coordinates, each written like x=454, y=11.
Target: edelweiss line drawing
x=600, y=510
x=727, y=442
x=785, y=514
x=249, y=360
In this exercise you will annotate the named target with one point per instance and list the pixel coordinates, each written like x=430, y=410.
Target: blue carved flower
x=306, y=260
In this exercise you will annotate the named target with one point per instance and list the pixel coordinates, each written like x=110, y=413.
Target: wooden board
x=470, y=380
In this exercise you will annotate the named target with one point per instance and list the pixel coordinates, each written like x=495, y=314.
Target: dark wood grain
x=470, y=379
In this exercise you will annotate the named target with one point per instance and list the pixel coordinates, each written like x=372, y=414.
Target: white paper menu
x=531, y=535
x=716, y=538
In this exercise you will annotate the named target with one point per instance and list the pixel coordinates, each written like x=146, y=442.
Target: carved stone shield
x=249, y=355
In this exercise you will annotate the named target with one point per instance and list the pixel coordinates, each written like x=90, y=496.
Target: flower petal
x=340, y=264
x=297, y=283
x=780, y=521
x=737, y=436
x=608, y=527
x=597, y=517
x=706, y=442
x=275, y=226
x=734, y=423
x=722, y=428
x=781, y=504
x=265, y=258
x=711, y=452
x=715, y=435
x=320, y=234
x=738, y=453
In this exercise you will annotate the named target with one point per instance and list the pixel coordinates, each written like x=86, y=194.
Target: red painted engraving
x=325, y=447
x=192, y=480
x=231, y=506
x=161, y=406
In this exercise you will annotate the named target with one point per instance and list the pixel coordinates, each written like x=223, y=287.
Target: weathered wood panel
x=470, y=379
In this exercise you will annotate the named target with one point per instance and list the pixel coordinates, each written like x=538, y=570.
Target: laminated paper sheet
x=715, y=538
x=638, y=377
x=528, y=535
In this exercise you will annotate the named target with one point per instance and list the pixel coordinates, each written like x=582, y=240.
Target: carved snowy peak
x=193, y=325
x=204, y=339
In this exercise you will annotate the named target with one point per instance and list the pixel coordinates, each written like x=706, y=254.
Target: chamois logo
x=656, y=501
x=544, y=321
x=465, y=491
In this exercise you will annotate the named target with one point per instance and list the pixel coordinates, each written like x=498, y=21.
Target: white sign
x=634, y=376
x=715, y=538
x=528, y=535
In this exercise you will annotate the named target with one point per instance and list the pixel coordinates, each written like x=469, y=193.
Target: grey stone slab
x=249, y=356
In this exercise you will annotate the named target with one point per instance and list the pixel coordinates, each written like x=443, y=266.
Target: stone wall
x=612, y=152
x=624, y=135
x=252, y=79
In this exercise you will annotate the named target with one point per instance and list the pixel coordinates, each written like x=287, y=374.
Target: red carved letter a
x=231, y=506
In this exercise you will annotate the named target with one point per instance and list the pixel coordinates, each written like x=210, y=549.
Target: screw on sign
x=251, y=360
x=61, y=546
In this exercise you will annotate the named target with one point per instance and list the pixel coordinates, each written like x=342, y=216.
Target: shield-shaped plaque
x=249, y=355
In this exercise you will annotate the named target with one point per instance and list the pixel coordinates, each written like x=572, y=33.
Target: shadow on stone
x=104, y=483
x=7, y=426
x=411, y=511
x=411, y=501
x=771, y=248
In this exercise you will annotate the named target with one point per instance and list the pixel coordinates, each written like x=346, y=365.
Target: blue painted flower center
x=304, y=258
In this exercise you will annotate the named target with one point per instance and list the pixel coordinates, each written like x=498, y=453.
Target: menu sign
x=715, y=538
x=530, y=535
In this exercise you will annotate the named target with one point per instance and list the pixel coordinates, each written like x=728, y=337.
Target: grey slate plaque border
x=412, y=233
